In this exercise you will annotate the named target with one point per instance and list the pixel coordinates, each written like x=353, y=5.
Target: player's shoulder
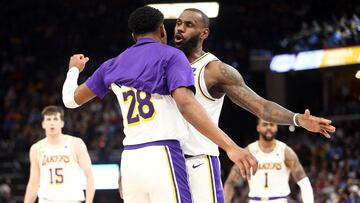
x=252, y=146
x=36, y=147
x=73, y=139
x=281, y=144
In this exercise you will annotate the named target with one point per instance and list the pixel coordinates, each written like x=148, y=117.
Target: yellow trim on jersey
x=211, y=179
x=199, y=86
x=170, y=173
x=198, y=59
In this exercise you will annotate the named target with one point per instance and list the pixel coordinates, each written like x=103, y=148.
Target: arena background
x=38, y=37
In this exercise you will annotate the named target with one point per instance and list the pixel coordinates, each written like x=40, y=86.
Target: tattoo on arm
x=293, y=163
x=235, y=88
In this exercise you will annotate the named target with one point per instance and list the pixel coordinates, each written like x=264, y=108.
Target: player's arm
x=229, y=186
x=34, y=179
x=85, y=165
x=73, y=95
x=120, y=186
x=299, y=176
x=196, y=115
x=227, y=80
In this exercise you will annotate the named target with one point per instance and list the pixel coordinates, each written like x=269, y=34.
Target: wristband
x=294, y=120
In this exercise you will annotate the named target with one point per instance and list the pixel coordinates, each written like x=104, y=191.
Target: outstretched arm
x=228, y=80
x=298, y=173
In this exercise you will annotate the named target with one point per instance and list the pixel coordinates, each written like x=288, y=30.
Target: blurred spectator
x=5, y=194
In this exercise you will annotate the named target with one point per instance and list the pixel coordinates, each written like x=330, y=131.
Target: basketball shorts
x=154, y=172
x=205, y=179
x=268, y=199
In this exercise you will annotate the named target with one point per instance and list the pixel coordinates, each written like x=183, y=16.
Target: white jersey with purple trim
x=197, y=143
x=60, y=173
x=149, y=117
x=272, y=176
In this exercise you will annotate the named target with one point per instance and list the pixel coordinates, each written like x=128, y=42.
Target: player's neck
x=55, y=140
x=197, y=53
x=267, y=146
x=150, y=36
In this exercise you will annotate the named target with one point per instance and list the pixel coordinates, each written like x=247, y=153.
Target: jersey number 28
x=140, y=107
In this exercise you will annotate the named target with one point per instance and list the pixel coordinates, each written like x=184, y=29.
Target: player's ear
x=205, y=33
x=134, y=37
x=163, y=34
x=162, y=31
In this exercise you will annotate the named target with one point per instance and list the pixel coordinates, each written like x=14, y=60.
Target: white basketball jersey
x=197, y=143
x=149, y=117
x=60, y=173
x=272, y=176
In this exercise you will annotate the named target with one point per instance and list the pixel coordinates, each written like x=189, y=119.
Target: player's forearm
x=307, y=193
x=30, y=194
x=90, y=189
x=275, y=113
x=228, y=192
x=69, y=88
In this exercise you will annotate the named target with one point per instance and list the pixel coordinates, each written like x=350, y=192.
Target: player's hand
x=315, y=124
x=244, y=160
x=78, y=61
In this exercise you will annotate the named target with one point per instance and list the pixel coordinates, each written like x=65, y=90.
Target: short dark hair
x=145, y=19
x=51, y=110
x=204, y=17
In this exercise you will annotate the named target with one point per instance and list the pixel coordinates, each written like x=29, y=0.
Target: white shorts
x=154, y=172
x=41, y=200
x=268, y=200
x=205, y=179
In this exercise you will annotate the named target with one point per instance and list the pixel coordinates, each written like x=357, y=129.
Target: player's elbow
x=70, y=104
x=69, y=100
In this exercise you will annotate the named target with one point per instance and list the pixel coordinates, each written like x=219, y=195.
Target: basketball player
x=154, y=86
x=56, y=163
x=276, y=162
x=213, y=80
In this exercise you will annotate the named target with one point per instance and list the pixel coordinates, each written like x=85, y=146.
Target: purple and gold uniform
x=142, y=78
x=60, y=173
x=270, y=184
x=202, y=160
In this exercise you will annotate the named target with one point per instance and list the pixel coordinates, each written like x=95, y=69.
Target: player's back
x=199, y=144
x=149, y=117
x=272, y=177
x=143, y=66
x=60, y=173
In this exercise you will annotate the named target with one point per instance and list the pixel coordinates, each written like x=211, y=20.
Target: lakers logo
x=270, y=166
x=55, y=159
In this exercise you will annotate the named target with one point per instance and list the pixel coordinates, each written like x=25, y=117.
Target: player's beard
x=188, y=46
x=268, y=138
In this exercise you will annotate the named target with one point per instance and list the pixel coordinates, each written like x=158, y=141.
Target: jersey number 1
x=140, y=106
x=266, y=180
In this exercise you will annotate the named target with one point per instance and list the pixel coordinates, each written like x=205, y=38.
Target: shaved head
x=204, y=17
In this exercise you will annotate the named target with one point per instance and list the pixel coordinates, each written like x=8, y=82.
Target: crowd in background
x=36, y=43
x=333, y=32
